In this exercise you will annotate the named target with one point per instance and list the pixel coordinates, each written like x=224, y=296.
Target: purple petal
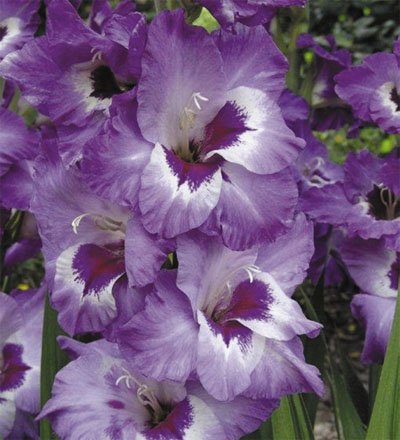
x=252, y=208
x=227, y=354
x=19, y=20
x=7, y=416
x=376, y=313
x=262, y=306
x=206, y=265
x=17, y=142
x=82, y=296
x=179, y=60
x=373, y=267
x=239, y=416
x=161, y=340
x=282, y=371
x=144, y=253
x=250, y=131
x=21, y=251
x=287, y=258
x=13, y=367
x=252, y=59
x=113, y=162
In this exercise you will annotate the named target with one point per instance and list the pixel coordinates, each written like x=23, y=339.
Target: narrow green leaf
x=53, y=359
x=290, y=420
x=263, y=433
x=348, y=422
x=373, y=382
x=385, y=419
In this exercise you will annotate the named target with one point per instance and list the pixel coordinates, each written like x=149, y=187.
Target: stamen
x=77, y=220
x=196, y=97
x=390, y=203
x=221, y=297
x=144, y=394
x=250, y=270
x=101, y=221
x=97, y=56
x=187, y=122
x=127, y=377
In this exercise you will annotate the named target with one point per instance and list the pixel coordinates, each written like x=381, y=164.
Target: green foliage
x=385, y=419
x=206, y=20
x=363, y=26
x=53, y=359
x=289, y=421
x=371, y=138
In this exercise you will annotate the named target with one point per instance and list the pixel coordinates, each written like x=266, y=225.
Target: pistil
x=187, y=122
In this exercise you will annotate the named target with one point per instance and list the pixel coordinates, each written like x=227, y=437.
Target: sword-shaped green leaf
x=53, y=359
x=385, y=419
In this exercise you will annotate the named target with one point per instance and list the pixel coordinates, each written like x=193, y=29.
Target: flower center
x=104, y=83
x=146, y=396
x=395, y=97
x=3, y=32
x=383, y=203
x=12, y=367
x=218, y=304
x=187, y=121
x=101, y=221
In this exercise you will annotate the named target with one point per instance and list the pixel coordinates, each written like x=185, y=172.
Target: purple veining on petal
x=394, y=273
x=12, y=368
x=96, y=266
x=230, y=330
x=116, y=404
x=250, y=300
x=195, y=174
x=175, y=424
x=225, y=128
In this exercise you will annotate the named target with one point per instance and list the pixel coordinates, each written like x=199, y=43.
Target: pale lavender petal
x=376, y=313
x=179, y=61
x=161, y=340
x=263, y=144
x=227, y=355
x=282, y=371
x=287, y=258
x=83, y=283
x=260, y=305
x=144, y=253
x=205, y=265
x=252, y=208
x=373, y=267
x=252, y=59
x=177, y=196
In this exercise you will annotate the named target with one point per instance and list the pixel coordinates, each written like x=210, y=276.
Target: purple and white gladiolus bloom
x=375, y=269
x=329, y=111
x=366, y=203
x=21, y=316
x=18, y=23
x=217, y=145
x=228, y=317
x=74, y=61
x=19, y=146
x=373, y=90
x=88, y=244
x=248, y=12
x=99, y=395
